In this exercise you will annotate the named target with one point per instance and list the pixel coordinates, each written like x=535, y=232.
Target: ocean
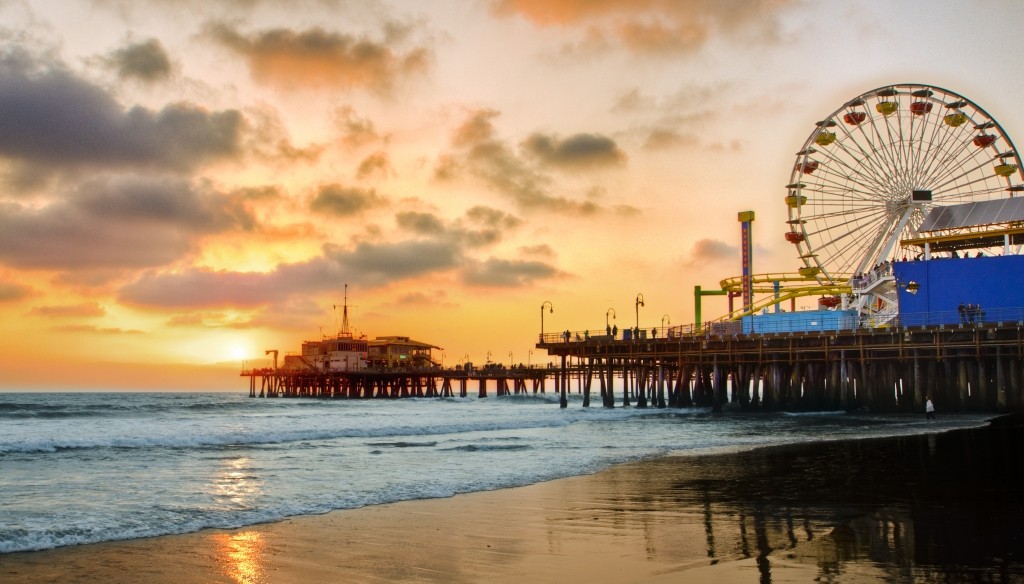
x=79, y=468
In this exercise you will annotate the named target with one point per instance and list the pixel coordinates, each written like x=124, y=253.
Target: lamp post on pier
x=665, y=321
x=639, y=303
x=551, y=309
x=607, y=325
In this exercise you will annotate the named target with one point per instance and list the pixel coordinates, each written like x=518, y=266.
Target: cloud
x=420, y=223
x=92, y=329
x=83, y=310
x=507, y=273
x=376, y=164
x=654, y=26
x=268, y=139
x=542, y=249
x=710, y=250
x=356, y=130
x=10, y=292
x=52, y=119
x=482, y=154
x=367, y=264
x=575, y=152
x=492, y=217
x=666, y=139
x=122, y=223
x=438, y=248
x=316, y=57
x=146, y=61
x=334, y=199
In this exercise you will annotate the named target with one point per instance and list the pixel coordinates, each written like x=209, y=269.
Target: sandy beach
x=933, y=508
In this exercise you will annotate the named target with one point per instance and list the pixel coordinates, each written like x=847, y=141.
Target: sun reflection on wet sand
x=241, y=556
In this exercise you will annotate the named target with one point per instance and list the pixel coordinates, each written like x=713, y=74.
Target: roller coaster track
x=798, y=286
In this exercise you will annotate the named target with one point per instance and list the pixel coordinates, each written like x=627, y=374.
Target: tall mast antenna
x=344, y=318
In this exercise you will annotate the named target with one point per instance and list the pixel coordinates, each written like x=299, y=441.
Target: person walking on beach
x=929, y=409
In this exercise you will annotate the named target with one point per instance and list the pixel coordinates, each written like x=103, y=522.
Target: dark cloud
x=10, y=292
x=441, y=249
x=124, y=223
x=575, y=152
x=366, y=264
x=146, y=61
x=51, y=118
x=95, y=330
x=543, y=249
x=356, y=130
x=666, y=139
x=335, y=199
x=317, y=57
x=494, y=162
x=493, y=217
x=447, y=167
x=424, y=299
x=655, y=26
x=376, y=164
x=84, y=310
x=267, y=138
x=420, y=223
x=626, y=211
x=199, y=287
x=507, y=273
x=706, y=250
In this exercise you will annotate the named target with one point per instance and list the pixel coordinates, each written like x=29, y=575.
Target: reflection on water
x=235, y=485
x=242, y=556
x=934, y=509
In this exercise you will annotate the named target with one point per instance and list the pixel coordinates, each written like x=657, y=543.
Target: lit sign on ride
x=746, y=219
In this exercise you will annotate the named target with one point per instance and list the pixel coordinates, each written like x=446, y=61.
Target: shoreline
x=793, y=511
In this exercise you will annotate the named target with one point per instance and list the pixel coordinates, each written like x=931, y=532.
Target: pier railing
x=794, y=323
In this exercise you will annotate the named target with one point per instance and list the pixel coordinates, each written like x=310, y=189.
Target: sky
x=186, y=185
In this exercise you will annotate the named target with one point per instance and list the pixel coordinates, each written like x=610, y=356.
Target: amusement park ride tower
x=898, y=174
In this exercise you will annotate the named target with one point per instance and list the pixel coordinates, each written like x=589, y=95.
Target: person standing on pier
x=929, y=409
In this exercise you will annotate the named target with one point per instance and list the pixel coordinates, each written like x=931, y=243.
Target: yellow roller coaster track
x=798, y=287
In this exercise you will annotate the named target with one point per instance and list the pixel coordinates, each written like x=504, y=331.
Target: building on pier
x=397, y=351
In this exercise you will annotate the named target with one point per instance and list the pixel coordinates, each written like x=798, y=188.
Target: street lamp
x=551, y=308
x=611, y=311
x=639, y=303
x=665, y=320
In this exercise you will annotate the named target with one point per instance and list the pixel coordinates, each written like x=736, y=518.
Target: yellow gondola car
x=1005, y=169
x=887, y=108
x=955, y=120
x=825, y=138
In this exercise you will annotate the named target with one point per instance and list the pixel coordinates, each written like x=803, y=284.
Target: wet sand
x=936, y=508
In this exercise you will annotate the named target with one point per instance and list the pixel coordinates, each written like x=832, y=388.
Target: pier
x=961, y=367
x=399, y=382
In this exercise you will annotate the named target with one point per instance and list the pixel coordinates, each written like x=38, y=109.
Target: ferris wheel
x=871, y=170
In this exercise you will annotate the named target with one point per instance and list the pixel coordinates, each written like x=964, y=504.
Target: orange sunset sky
x=187, y=184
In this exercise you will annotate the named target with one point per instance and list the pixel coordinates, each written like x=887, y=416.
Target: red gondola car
x=854, y=118
x=984, y=140
x=920, y=108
